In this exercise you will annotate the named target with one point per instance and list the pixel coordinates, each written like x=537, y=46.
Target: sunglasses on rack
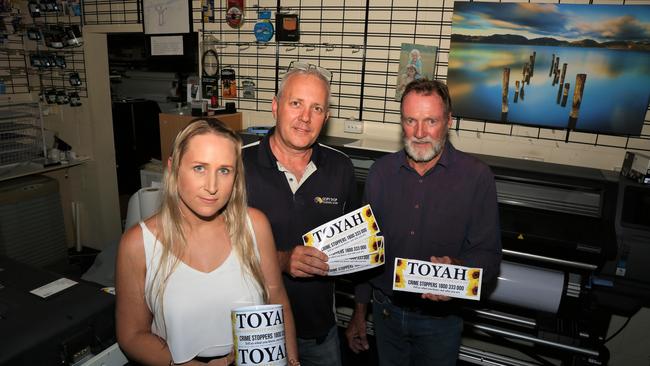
x=306, y=66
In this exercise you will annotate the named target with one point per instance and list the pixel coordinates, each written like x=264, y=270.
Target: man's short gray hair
x=310, y=71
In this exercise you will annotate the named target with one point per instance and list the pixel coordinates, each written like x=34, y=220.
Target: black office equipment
x=60, y=329
x=32, y=229
x=557, y=222
x=633, y=234
x=287, y=27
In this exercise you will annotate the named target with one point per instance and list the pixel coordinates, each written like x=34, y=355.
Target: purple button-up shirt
x=450, y=211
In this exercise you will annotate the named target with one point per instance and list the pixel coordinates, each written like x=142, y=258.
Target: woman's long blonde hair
x=170, y=227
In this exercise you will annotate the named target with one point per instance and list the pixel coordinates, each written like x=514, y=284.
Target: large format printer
x=561, y=277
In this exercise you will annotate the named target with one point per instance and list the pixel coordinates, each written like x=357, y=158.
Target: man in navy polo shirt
x=300, y=184
x=446, y=213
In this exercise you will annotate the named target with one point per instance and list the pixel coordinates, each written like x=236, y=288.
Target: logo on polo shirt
x=326, y=200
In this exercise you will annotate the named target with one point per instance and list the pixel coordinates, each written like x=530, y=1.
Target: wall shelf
x=21, y=170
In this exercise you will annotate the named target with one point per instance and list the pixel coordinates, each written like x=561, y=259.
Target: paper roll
x=149, y=201
x=529, y=287
x=142, y=205
x=258, y=335
x=76, y=221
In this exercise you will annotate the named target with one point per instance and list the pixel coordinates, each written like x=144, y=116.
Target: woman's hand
x=224, y=361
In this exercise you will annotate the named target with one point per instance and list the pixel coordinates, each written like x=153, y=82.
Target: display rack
x=56, y=78
x=360, y=42
x=13, y=75
x=21, y=134
x=101, y=12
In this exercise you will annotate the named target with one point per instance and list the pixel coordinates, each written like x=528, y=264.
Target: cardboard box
x=172, y=124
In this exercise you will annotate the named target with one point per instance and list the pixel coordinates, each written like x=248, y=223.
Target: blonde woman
x=180, y=272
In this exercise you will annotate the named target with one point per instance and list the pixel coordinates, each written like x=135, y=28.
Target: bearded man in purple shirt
x=446, y=212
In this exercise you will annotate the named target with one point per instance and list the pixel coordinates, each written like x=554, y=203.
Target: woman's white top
x=197, y=305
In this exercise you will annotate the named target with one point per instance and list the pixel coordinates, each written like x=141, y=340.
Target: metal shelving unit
x=21, y=134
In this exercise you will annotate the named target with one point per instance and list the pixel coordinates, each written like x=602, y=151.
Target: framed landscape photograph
x=416, y=61
x=577, y=67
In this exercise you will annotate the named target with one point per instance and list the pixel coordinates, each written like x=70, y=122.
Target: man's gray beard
x=420, y=156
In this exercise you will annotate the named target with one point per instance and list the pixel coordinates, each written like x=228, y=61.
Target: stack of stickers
x=350, y=241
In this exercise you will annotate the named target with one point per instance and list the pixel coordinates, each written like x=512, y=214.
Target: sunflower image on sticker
x=377, y=258
x=375, y=243
x=379, y=242
x=400, y=266
x=370, y=219
x=308, y=239
x=474, y=275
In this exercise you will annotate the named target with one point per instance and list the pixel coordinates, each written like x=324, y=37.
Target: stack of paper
x=350, y=241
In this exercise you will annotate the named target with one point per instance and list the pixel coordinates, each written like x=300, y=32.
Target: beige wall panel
x=373, y=115
x=497, y=128
x=101, y=182
x=353, y=40
x=586, y=138
x=646, y=128
x=471, y=125
x=546, y=133
x=616, y=141
x=376, y=67
x=373, y=103
x=639, y=144
x=332, y=19
x=353, y=26
x=405, y=28
x=311, y=29
x=393, y=118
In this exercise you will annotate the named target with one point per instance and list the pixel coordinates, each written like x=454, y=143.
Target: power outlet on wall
x=353, y=126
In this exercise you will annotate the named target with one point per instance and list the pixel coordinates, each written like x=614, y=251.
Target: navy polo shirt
x=326, y=194
x=450, y=211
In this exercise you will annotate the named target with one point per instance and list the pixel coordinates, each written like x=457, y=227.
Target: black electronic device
x=636, y=166
x=34, y=9
x=62, y=97
x=50, y=96
x=60, y=61
x=36, y=60
x=633, y=233
x=34, y=34
x=75, y=101
x=58, y=329
x=73, y=36
x=633, y=212
x=54, y=36
x=287, y=27
x=74, y=79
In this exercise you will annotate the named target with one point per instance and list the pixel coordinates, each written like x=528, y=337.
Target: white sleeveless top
x=197, y=304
